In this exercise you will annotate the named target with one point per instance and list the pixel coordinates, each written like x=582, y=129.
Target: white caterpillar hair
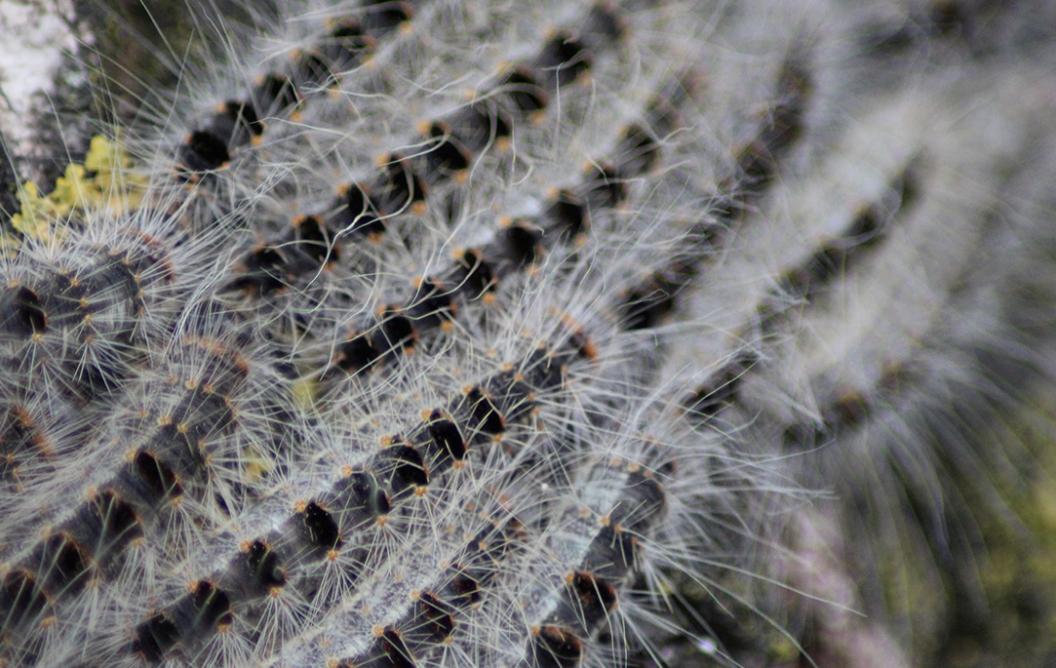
x=439, y=333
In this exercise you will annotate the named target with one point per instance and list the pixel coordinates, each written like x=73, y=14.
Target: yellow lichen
x=104, y=182
x=35, y=212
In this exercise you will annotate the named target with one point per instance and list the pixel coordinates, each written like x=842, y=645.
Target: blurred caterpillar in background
x=388, y=333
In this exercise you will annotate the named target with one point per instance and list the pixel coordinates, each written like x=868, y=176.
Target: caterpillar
x=492, y=333
x=78, y=313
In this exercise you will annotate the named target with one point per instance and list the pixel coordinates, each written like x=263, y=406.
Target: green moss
x=1017, y=560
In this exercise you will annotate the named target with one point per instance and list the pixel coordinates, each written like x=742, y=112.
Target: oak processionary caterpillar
x=441, y=333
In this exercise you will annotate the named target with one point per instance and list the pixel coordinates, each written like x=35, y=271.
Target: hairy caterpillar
x=447, y=333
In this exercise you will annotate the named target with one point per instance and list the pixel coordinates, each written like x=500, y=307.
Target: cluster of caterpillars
x=335, y=525
x=364, y=210
x=173, y=459
x=173, y=455
x=227, y=416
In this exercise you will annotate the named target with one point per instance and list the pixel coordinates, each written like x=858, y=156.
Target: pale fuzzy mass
x=496, y=333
